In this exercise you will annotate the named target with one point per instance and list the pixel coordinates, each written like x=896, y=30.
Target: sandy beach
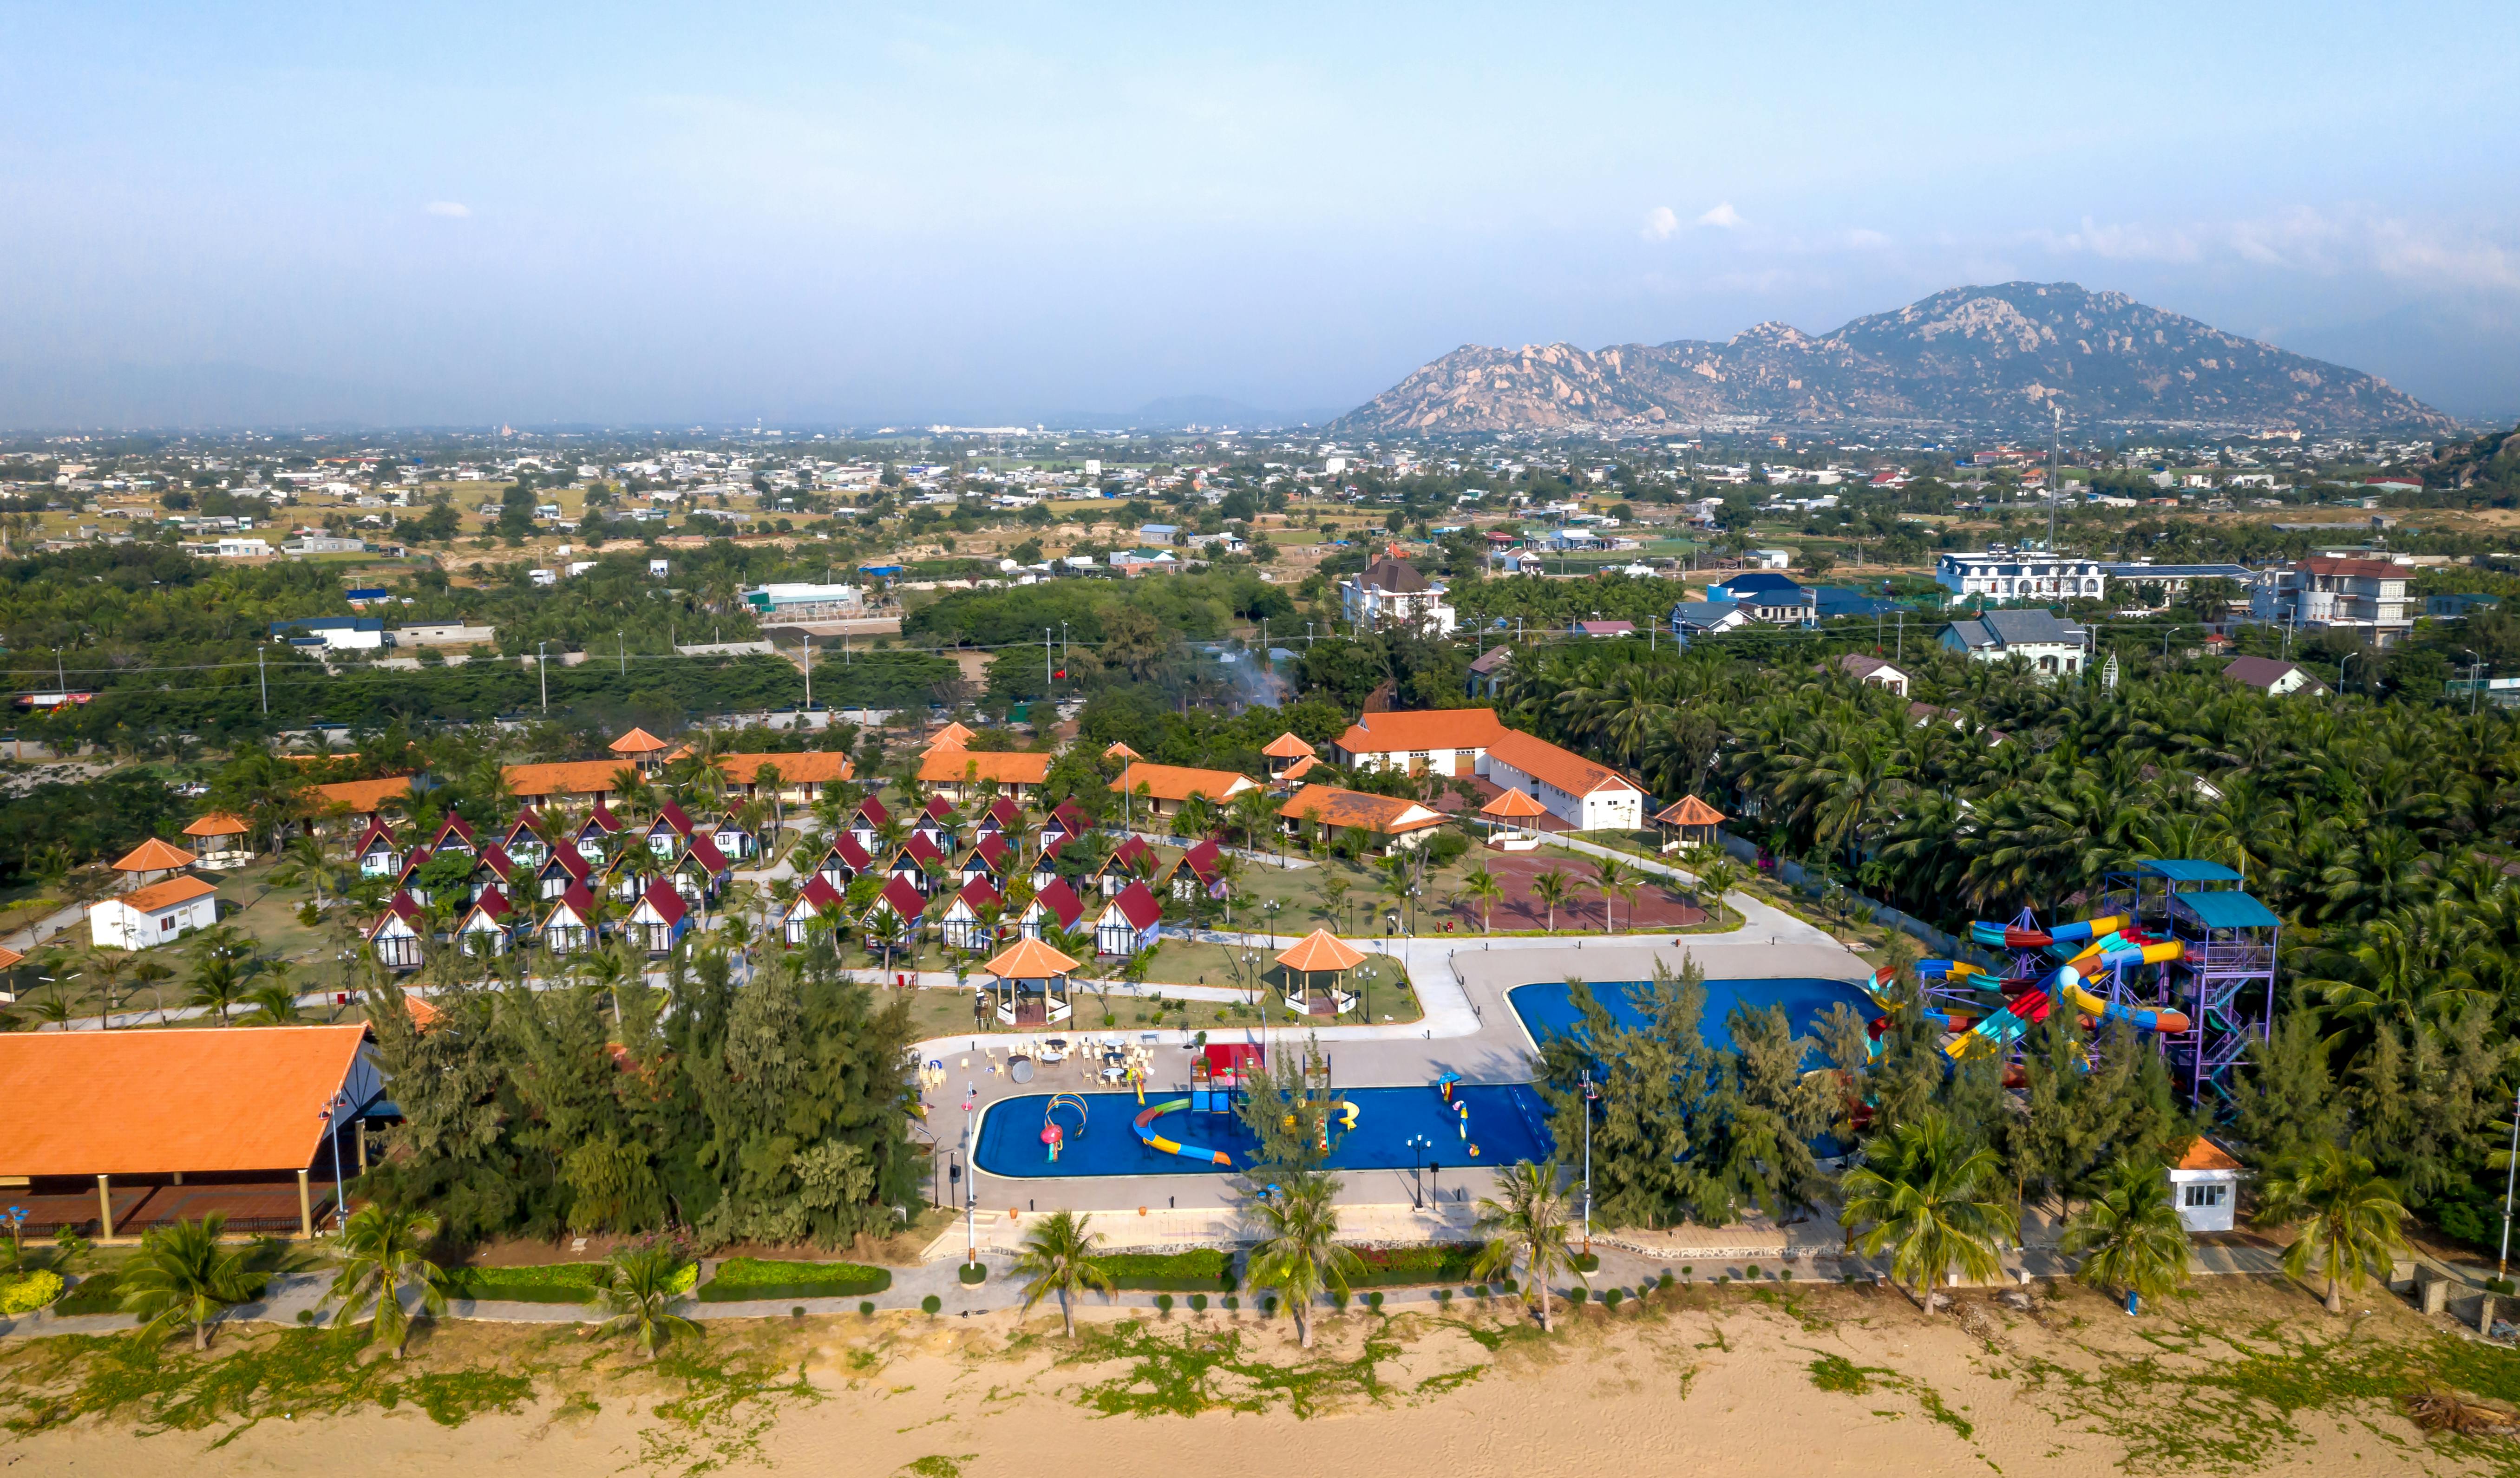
x=1818, y=1381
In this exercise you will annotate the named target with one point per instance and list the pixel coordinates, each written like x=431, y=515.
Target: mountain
x=1995, y=356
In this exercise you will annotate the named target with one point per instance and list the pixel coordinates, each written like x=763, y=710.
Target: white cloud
x=1660, y=223
x=1723, y=217
x=455, y=209
x=1863, y=240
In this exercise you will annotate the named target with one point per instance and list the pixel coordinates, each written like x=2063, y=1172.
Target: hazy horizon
x=652, y=216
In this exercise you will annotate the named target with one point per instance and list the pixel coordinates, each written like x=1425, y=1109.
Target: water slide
x=2004, y=1028
x=1154, y=1140
x=1997, y=936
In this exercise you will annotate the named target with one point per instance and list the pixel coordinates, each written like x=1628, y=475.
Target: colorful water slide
x=2001, y=1029
x=1154, y=1140
x=2068, y=986
x=2006, y=937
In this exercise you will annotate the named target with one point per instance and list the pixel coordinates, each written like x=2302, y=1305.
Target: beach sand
x=1822, y=1382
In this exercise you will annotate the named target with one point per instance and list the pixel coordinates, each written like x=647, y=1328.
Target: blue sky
x=528, y=212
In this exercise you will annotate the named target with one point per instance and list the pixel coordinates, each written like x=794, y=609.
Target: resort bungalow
x=1165, y=788
x=1066, y=821
x=404, y=879
x=377, y=852
x=962, y=775
x=522, y=842
x=867, y=824
x=219, y=841
x=1001, y=818
x=113, y=1134
x=568, y=925
x=1056, y=906
x=844, y=862
x=991, y=857
x=810, y=912
x=733, y=839
x=562, y=870
x=454, y=834
x=659, y=920
x=505, y=870
x=1045, y=867
x=1197, y=872
x=935, y=824
x=802, y=779
x=672, y=829
x=490, y=925
x=594, y=835
x=968, y=925
x=1389, y=822
x=1032, y=988
x=396, y=936
x=1130, y=860
x=156, y=915
x=909, y=864
x=895, y=913
x=1130, y=922
x=700, y=871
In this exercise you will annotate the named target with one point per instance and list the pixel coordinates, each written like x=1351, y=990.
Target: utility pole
x=542, y=674
x=2054, y=473
x=1588, y=1097
x=621, y=647
x=806, y=662
x=1902, y=638
x=262, y=676
x=2510, y=1178
x=1046, y=677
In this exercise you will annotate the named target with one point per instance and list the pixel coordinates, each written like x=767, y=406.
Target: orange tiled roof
x=808, y=767
x=1690, y=811
x=218, y=824
x=153, y=856
x=1321, y=951
x=1119, y=750
x=1014, y=767
x=1513, y=803
x=1029, y=959
x=1423, y=729
x=2204, y=1154
x=952, y=737
x=160, y=895
x=1181, y=782
x=366, y=794
x=637, y=741
x=1564, y=769
x=204, y=1099
x=1333, y=807
x=1287, y=746
x=588, y=776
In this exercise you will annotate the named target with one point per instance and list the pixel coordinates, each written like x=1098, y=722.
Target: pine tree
x=2284, y=1101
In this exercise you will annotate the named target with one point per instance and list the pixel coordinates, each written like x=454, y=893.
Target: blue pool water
x=1548, y=1009
x=1508, y=1123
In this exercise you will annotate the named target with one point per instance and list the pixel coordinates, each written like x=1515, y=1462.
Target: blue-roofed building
x=1745, y=588
x=1706, y=618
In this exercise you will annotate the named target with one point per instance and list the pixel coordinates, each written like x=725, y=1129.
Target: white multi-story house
x=2000, y=574
x=1392, y=593
x=2036, y=636
x=2368, y=595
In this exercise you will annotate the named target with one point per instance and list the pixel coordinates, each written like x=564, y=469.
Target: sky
x=981, y=213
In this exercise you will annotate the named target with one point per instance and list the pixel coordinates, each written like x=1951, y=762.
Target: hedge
x=547, y=1284
x=741, y=1279
x=1180, y=1272
x=1401, y=1266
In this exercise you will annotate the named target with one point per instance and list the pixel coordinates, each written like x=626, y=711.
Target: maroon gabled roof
x=399, y=907
x=1061, y=902
x=411, y=863
x=871, y=812
x=377, y=832
x=667, y=903
x=602, y=819
x=1051, y=849
x=495, y=857
x=522, y=825
x=493, y=903
x=847, y=845
x=993, y=847
x=576, y=900
x=1138, y=905
x=1128, y=852
x=936, y=808
x=920, y=848
x=977, y=895
x=1202, y=860
x=568, y=860
x=454, y=824
x=818, y=894
x=1070, y=815
x=704, y=851
x=1005, y=812
x=903, y=899
x=671, y=815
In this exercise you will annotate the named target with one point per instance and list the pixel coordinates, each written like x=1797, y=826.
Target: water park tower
x=2225, y=976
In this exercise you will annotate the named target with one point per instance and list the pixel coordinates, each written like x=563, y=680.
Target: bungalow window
x=2202, y=1195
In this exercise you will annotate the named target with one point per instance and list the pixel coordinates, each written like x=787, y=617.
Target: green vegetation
x=645, y=1282
x=2130, y=1238
x=24, y=1293
x=1200, y=1269
x=1526, y=1221
x=1298, y=1257
x=744, y=1278
x=183, y=1280
x=1058, y=1259
x=1930, y=1195
x=1208, y=1370
x=380, y=1258
x=540, y=1283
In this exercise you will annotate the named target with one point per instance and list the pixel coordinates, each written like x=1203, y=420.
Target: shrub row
x=548, y=1284
x=1199, y=1272
x=1401, y=1266
x=740, y=1278
x=26, y=1292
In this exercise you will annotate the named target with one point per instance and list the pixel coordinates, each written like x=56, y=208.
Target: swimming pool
x=1507, y=1122
x=1548, y=1009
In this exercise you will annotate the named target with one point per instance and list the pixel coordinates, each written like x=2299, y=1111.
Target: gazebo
x=153, y=856
x=639, y=747
x=1509, y=818
x=1031, y=987
x=1286, y=752
x=222, y=838
x=952, y=737
x=1119, y=750
x=1319, y=952
x=1687, y=822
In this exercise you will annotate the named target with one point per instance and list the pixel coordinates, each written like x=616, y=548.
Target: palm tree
x=1480, y=884
x=1931, y=1196
x=647, y=1283
x=1058, y=1255
x=107, y=967
x=2351, y=1219
x=1526, y=1221
x=380, y=1257
x=1551, y=888
x=1609, y=878
x=184, y=1279
x=305, y=861
x=218, y=984
x=277, y=1004
x=2131, y=1237
x=1714, y=880
x=1298, y=1257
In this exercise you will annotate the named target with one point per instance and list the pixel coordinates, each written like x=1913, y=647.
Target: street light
x=1591, y=1095
x=2476, y=665
x=1419, y=1144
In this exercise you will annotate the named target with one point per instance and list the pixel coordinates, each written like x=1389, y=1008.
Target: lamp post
x=2511, y=1175
x=2476, y=665
x=1419, y=1144
x=1589, y=1095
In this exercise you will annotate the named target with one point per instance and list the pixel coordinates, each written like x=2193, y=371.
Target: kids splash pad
x=1507, y=1122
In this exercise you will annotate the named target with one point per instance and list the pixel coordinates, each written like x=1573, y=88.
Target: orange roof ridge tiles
x=1320, y=952
x=1423, y=729
x=1287, y=746
x=1029, y=959
x=2204, y=1154
x=591, y=777
x=366, y=794
x=1119, y=750
x=191, y=1099
x=1182, y=781
x=155, y=856
x=1007, y=767
x=1513, y=803
x=1562, y=768
x=803, y=767
x=1690, y=811
x=218, y=824
x=637, y=741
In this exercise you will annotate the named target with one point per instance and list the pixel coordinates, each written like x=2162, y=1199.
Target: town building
x=2002, y=574
x=1390, y=592
x=1392, y=822
x=2324, y=592
x=959, y=775
x=1873, y=670
x=158, y=914
x=2272, y=676
x=2037, y=637
x=1165, y=788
